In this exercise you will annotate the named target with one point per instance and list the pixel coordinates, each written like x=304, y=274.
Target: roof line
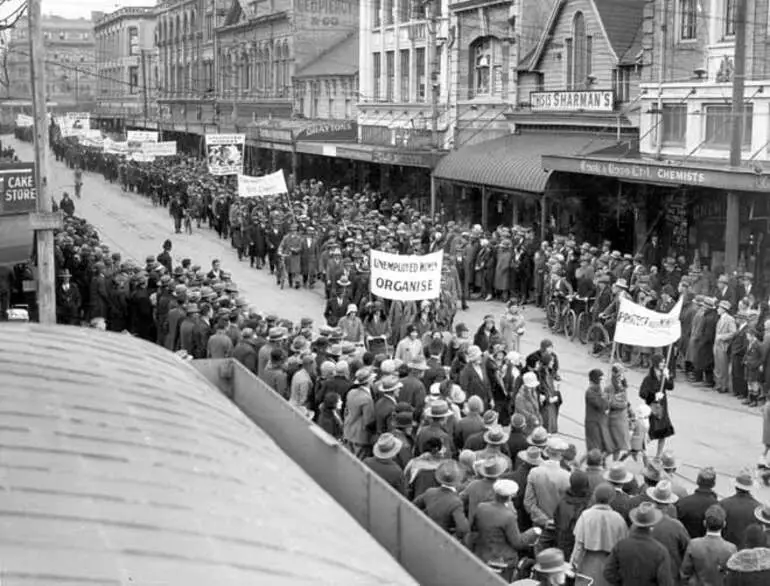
x=545, y=34
x=604, y=31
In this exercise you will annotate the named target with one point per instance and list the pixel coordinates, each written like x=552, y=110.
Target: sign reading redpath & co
x=18, y=192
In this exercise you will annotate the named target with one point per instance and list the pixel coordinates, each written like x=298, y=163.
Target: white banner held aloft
x=159, y=149
x=24, y=121
x=141, y=136
x=273, y=184
x=75, y=124
x=405, y=278
x=112, y=147
x=141, y=157
x=639, y=326
x=225, y=153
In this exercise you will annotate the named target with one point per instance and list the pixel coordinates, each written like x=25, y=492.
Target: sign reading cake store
x=18, y=193
x=573, y=101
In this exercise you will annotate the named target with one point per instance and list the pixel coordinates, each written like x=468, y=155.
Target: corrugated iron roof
x=120, y=464
x=512, y=162
x=339, y=59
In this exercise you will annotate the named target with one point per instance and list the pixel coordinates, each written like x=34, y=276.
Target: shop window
x=419, y=73
x=390, y=75
x=674, y=124
x=376, y=74
x=486, y=69
x=404, y=79
x=719, y=125
x=688, y=20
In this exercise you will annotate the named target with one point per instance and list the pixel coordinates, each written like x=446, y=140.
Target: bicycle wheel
x=598, y=340
x=552, y=315
x=583, y=325
x=570, y=324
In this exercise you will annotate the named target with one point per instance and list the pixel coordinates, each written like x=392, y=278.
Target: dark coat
x=570, y=507
x=98, y=298
x=673, y=536
x=691, y=510
x=472, y=384
x=335, y=310
x=739, y=510
x=639, y=560
x=68, y=305
x=596, y=429
x=660, y=425
x=246, y=354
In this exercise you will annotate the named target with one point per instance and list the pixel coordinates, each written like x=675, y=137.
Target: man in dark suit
x=691, y=510
x=67, y=301
x=274, y=237
x=175, y=317
x=726, y=291
x=202, y=331
x=739, y=508
x=737, y=353
x=746, y=290
x=337, y=305
x=442, y=504
x=474, y=379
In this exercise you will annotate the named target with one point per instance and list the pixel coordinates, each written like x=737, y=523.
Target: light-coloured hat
x=744, y=480
x=505, y=488
x=538, y=437
x=352, y=308
x=491, y=467
x=662, y=493
x=495, y=436
x=474, y=353
x=387, y=446
x=529, y=380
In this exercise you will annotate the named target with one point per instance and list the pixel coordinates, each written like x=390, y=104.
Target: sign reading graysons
x=573, y=101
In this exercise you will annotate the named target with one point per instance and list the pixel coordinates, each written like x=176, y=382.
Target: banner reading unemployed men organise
x=639, y=326
x=225, y=153
x=405, y=278
x=266, y=185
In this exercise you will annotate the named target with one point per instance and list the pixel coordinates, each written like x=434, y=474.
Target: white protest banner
x=112, y=147
x=91, y=141
x=406, y=278
x=273, y=184
x=159, y=149
x=74, y=124
x=639, y=326
x=24, y=121
x=225, y=153
x=141, y=136
x=141, y=157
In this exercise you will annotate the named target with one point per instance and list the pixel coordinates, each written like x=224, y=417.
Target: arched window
x=260, y=69
x=278, y=65
x=578, y=50
x=268, y=67
x=486, y=67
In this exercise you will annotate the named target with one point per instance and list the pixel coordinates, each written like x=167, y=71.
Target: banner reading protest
x=405, y=278
x=225, y=153
x=639, y=326
x=273, y=184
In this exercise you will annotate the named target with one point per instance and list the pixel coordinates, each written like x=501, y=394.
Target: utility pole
x=46, y=277
x=733, y=214
x=145, y=99
x=433, y=22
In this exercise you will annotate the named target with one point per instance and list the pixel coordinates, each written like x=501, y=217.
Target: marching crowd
x=458, y=421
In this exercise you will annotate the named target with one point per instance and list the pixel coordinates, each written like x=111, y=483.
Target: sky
x=75, y=8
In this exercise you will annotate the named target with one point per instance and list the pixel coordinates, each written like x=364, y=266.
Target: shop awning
x=512, y=162
x=16, y=238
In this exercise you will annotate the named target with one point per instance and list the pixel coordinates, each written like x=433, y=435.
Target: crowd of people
x=456, y=420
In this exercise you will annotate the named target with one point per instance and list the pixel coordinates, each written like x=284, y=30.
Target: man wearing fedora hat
x=359, y=427
x=619, y=477
x=669, y=531
x=382, y=462
x=640, y=559
x=412, y=388
x=442, y=504
x=495, y=446
x=68, y=301
x=385, y=406
x=546, y=485
x=275, y=339
x=739, y=508
x=438, y=413
x=481, y=490
x=403, y=422
x=725, y=331
x=336, y=307
x=495, y=536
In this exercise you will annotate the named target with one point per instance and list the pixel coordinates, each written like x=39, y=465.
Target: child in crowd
x=640, y=425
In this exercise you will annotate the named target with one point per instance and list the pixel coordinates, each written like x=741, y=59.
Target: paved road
x=711, y=429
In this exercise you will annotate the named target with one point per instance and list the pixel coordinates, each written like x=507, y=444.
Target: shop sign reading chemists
x=644, y=172
x=577, y=101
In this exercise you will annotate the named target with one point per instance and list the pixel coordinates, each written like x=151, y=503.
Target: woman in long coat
x=550, y=397
x=696, y=330
x=503, y=269
x=527, y=402
x=617, y=420
x=597, y=409
x=654, y=392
